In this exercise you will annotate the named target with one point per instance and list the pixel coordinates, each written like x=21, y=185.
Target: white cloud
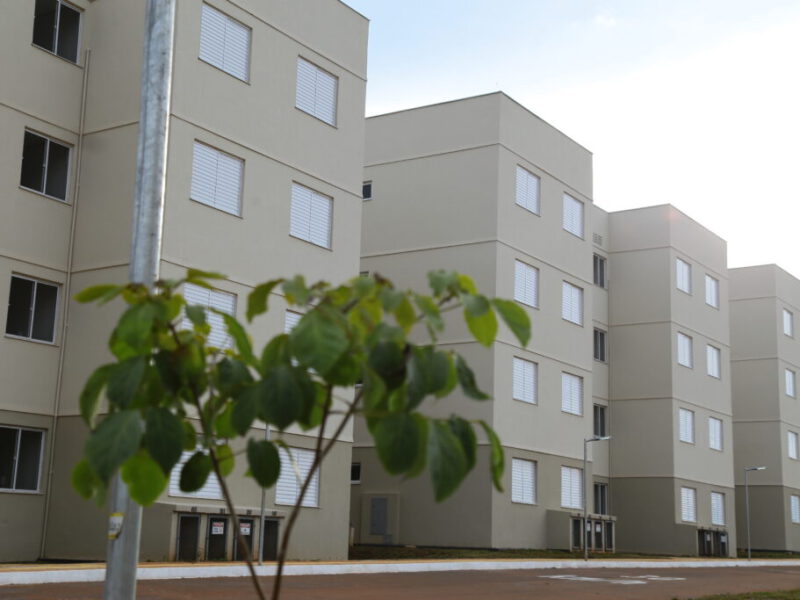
x=605, y=21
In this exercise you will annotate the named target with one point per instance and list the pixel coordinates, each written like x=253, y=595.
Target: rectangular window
x=599, y=268
x=573, y=215
x=689, y=505
x=713, y=361
x=601, y=498
x=795, y=508
x=683, y=275
x=225, y=43
x=32, y=307
x=791, y=442
x=789, y=382
x=45, y=166
x=290, y=319
x=217, y=179
x=600, y=345
x=571, y=303
x=715, y=433
x=211, y=489
x=712, y=291
x=686, y=425
x=525, y=375
x=600, y=420
x=20, y=458
x=208, y=299
x=523, y=481
x=571, y=487
x=685, y=350
x=287, y=489
x=571, y=394
x=788, y=323
x=355, y=472
x=526, y=284
x=311, y=216
x=717, y=508
x=316, y=91
x=366, y=190
x=528, y=186
x=56, y=28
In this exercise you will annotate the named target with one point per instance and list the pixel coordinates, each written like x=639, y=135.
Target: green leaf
x=312, y=411
x=463, y=430
x=196, y=274
x=390, y=298
x=245, y=409
x=189, y=437
x=232, y=374
x=114, y=441
x=284, y=393
x=104, y=292
x=404, y=313
x=440, y=280
x=448, y=463
x=431, y=312
x=276, y=352
x=388, y=361
x=497, y=461
x=259, y=297
x=422, y=447
x=134, y=331
x=223, y=423
x=84, y=480
x=146, y=481
x=516, y=318
x=90, y=396
x=452, y=377
x=467, y=380
x=196, y=314
x=124, y=380
x=163, y=437
x=319, y=339
x=428, y=372
x=225, y=459
x=467, y=284
x=195, y=472
x=480, y=318
x=240, y=337
x=373, y=392
x=397, y=439
x=296, y=290
x=264, y=461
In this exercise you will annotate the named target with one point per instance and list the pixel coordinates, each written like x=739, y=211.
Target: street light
x=747, y=503
x=596, y=438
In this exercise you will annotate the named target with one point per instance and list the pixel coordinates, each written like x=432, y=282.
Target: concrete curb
x=37, y=575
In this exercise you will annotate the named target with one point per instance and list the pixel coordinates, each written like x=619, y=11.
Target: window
x=571, y=487
x=526, y=284
x=686, y=425
x=20, y=458
x=56, y=27
x=791, y=441
x=523, y=481
x=366, y=190
x=355, y=472
x=717, y=508
x=290, y=319
x=208, y=299
x=600, y=345
x=528, y=190
x=224, y=43
x=311, y=214
x=316, y=91
x=685, y=350
x=571, y=303
x=601, y=498
x=217, y=179
x=571, y=394
x=45, y=166
x=713, y=361
x=599, y=267
x=789, y=382
x=689, y=504
x=788, y=323
x=795, y=508
x=525, y=375
x=683, y=275
x=211, y=489
x=573, y=215
x=712, y=291
x=600, y=422
x=32, y=308
x=715, y=433
x=287, y=490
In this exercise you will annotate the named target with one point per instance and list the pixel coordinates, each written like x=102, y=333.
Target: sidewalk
x=93, y=572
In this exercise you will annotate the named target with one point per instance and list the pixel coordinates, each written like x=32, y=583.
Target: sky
x=694, y=103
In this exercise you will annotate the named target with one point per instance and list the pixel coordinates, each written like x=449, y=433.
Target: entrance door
x=705, y=546
x=188, y=537
x=246, y=535
x=217, y=538
x=270, y=539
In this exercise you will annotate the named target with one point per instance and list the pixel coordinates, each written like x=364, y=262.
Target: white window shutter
x=290, y=319
x=310, y=216
x=791, y=441
x=571, y=303
x=789, y=377
x=224, y=42
x=712, y=291
x=524, y=380
x=316, y=91
x=683, y=274
x=788, y=323
x=795, y=509
x=573, y=215
x=212, y=36
x=211, y=490
x=229, y=183
x=686, y=425
x=287, y=489
x=717, y=508
x=523, y=481
x=237, y=49
x=528, y=186
x=571, y=487
x=689, y=505
x=684, y=350
x=712, y=361
x=526, y=283
x=204, y=174
x=223, y=301
x=714, y=433
x=571, y=394
x=217, y=179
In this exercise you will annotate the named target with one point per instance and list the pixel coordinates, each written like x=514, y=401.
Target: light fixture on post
x=747, y=503
x=585, y=540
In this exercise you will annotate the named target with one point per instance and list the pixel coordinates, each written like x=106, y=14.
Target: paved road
x=561, y=584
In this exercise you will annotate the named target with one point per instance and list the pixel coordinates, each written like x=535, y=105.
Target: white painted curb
x=84, y=575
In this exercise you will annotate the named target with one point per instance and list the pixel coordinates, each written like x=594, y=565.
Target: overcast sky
x=690, y=102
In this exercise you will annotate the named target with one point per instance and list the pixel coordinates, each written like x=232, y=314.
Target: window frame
x=534, y=397
x=790, y=382
x=600, y=271
x=788, y=319
x=794, y=508
x=364, y=185
x=680, y=336
x=221, y=67
x=575, y=474
x=79, y=11
x=714, y=288
x=581, y=208
x=296, y=235
x=56, y=310
x=528, y=269
x=68, y=175
x=528, y=176
x=575, y=295
x=15, y=460
x=600, y=416
x=355, y=466
x=716, y=429
x=216, y=205
x=602, y=487
x=528, y=464
x=567, y=403
x=721, y=498
x=793, y=445
x=679, y=276
x=601, y=336
x=316, y=112
x=688, y=492
x=687, y=436
x=712, y=350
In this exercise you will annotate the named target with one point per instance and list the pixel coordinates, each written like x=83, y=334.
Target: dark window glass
x=68, y=26
x=30, y=452
x=34, y=149
x=44, y=24
x=20, y=300
x=8, y=447
x=600, y=420
x=44, y=312
x=601, y=499
x=599, y=264
x=57, y=168
x=56, y=28
x=366, y=190
x=600, y=345
x=379, y=516
x=355, y=472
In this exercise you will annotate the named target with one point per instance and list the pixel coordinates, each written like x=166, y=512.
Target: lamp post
x=586, y=442
x=747, y=503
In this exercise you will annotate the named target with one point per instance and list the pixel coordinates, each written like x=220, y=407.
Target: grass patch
x=768, y=554
x=367, y=552
x=787, y=595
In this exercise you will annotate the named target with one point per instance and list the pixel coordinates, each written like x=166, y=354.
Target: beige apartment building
x=766, y=416
x=263, y=180
x=630, y=340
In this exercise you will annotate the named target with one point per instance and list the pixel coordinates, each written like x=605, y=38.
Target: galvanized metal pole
x=585, y=539
x=747, y=511
x=263, y=514
x=148, y=216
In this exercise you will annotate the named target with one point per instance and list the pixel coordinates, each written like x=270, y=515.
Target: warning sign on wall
x=217, y=527
x=244, y=528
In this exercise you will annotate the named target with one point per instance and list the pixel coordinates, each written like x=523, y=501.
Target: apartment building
x=620, y=305
x=765, y=359
x=263, y=180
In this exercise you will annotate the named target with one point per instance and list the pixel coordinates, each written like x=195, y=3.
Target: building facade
x=263, y=180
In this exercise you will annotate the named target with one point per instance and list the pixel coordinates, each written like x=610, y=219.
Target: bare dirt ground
x=560, y=584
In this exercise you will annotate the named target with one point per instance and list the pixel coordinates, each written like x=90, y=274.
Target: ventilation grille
x=597, y=238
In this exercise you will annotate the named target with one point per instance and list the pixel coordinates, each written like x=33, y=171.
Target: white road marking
x=654, y=577
x=594, y=579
